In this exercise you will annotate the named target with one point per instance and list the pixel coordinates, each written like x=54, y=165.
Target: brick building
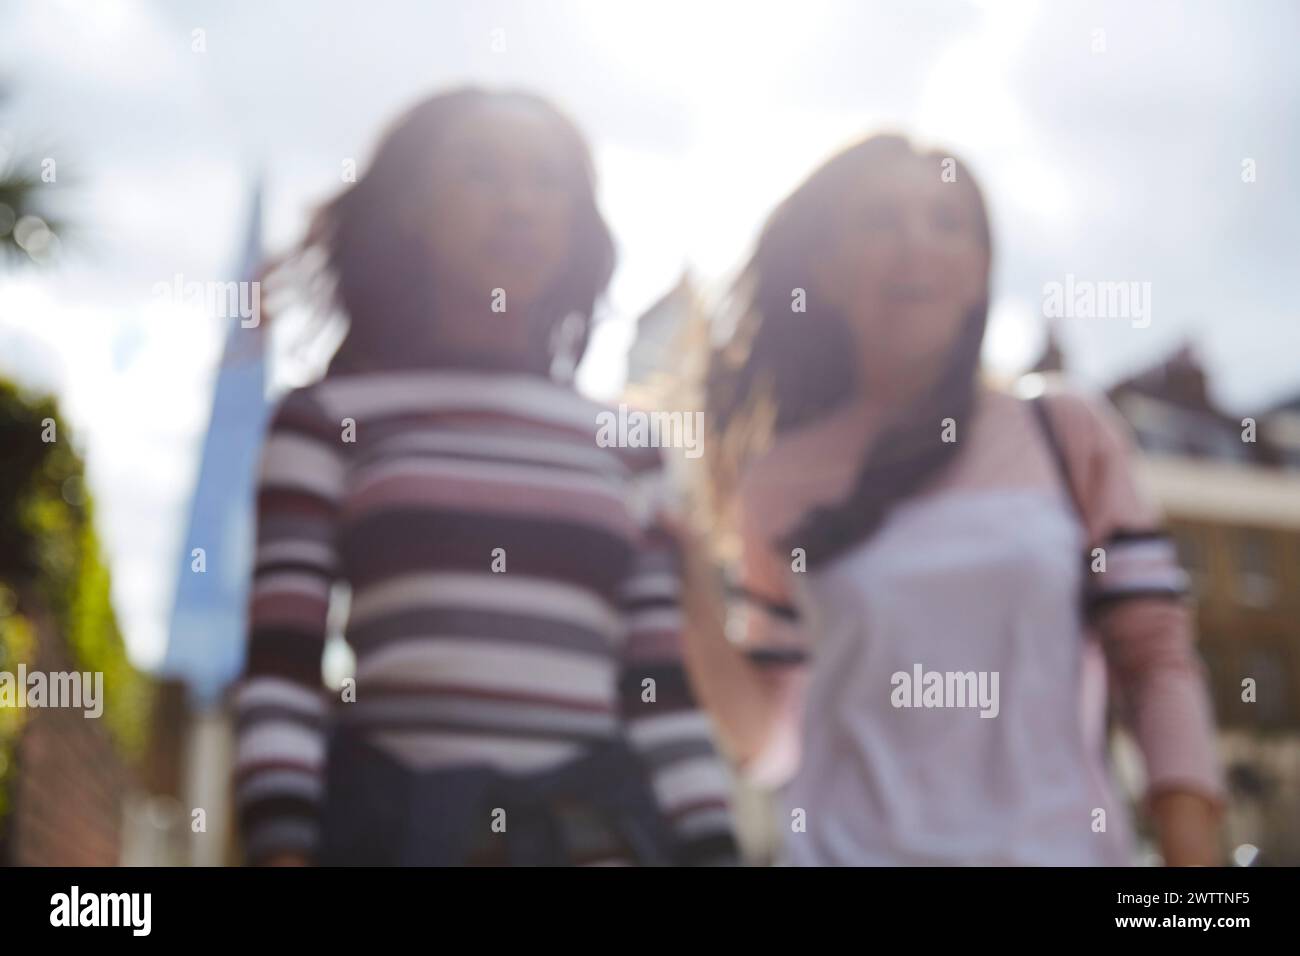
x=1233, y=506
x=70, y=793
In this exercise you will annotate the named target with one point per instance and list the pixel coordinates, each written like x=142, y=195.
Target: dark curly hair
x=363, y=255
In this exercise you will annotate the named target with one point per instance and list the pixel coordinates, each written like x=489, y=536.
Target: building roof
x=657, y=329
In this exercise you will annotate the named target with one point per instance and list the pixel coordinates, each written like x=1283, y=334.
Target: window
x=1268, y=667
x=1191, y=556
x=1256, y=583
x=1217, y=442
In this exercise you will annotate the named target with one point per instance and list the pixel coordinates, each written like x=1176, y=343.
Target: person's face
x=501, y=214
x=905, y=264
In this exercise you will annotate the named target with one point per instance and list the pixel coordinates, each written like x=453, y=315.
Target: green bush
x=48, y=547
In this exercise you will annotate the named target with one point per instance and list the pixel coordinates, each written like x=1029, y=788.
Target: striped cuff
x=278, y=767
x=767, y=631
x=1134, y=564
x=690, y=781
x=280, y=825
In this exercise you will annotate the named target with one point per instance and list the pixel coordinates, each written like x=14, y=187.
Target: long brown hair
x=780, y=370
x=362, y=253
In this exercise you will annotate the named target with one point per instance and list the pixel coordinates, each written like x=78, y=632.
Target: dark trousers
x=378, y=812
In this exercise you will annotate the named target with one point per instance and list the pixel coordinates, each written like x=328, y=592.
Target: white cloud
x=702, y=116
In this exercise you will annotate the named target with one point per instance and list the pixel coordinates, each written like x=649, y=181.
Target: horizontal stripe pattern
x=665, y=725
x=510, y=596
x=1138, y=564
x=770, y=633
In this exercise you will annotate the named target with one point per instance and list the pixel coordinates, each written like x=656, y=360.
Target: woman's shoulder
x=299, y=408
x=1080, y=415
x=811, y=466
x=1099, y=449
x=527, y=397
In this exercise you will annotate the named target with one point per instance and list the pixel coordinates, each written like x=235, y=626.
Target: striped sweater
x=512, y=595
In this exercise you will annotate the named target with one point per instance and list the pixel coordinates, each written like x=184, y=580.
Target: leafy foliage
x=48, y=548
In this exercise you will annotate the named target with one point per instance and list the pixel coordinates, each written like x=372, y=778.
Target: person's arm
x=280, y=704
x=1139, y=608
x=1148, y=643
x=747, y=653
x=665, y=724
x=1187, y=827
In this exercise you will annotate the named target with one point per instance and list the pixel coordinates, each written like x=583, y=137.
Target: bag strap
x=1044, y=419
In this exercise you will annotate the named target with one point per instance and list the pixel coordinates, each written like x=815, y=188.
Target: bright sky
x=1109, y=138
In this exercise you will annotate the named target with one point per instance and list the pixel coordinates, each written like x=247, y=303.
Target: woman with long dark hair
x=518, y=694
x=933, y=575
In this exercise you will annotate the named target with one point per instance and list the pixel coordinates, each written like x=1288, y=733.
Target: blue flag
x=205, y=646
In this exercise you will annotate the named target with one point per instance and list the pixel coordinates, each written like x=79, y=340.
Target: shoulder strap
x=1045, y=427
x=1039, y=405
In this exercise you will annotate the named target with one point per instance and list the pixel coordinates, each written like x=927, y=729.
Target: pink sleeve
x=764, y=621
x=1138, y=604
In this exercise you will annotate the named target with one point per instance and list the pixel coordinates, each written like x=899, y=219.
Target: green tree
x=29, y=227
x=50, y=555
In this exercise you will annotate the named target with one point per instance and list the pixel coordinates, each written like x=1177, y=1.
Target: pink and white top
x=981, y=591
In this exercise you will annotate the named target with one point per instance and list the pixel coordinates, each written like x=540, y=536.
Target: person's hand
x=287, y=859
x=1188, y=828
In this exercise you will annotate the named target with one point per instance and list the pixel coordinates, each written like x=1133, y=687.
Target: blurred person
x=519, y=694
x=920, y=635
